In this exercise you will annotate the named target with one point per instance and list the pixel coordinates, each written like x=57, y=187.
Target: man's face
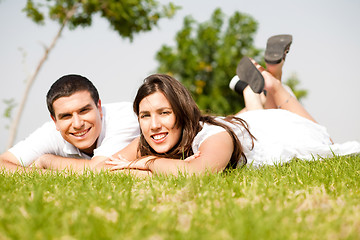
x=78, y=119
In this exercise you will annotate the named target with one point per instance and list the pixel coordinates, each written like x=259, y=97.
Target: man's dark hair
x=68, y=85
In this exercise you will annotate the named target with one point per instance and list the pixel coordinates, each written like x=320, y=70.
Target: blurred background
x=324, y=56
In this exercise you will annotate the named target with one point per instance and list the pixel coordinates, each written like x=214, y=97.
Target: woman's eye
x=166, y=112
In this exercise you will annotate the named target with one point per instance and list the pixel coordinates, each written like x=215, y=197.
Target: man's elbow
x=7, y=162
x=7, y=165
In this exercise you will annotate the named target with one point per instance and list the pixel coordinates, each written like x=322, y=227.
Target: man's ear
x=100, y=108
x=54, y=120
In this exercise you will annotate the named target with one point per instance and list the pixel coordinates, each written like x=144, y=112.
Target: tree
x=127, y=17
x=206, y=56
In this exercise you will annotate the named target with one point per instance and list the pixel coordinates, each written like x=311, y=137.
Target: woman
x=176, y=137
x=173, y=129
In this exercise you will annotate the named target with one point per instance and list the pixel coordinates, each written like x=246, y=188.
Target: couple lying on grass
x=174, y=136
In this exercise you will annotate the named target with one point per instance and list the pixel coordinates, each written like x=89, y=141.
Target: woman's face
x=157, y=122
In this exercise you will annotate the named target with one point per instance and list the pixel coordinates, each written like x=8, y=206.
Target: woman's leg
x=277, y=47
x=282, y=98
x=275, y=69
x=252, y=100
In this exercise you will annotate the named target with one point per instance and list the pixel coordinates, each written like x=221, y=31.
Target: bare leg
x=252, y=100
x=282, y=98
x=277, y=45
x=275, y=69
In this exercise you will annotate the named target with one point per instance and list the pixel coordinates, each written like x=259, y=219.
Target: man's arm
x=50, y=161
x=8, y=157
x=97, y=163
x=9, y=163
x=79, y=165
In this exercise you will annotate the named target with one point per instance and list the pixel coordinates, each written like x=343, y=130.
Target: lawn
x=300, y=200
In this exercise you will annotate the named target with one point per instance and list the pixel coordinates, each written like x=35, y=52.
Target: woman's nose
x=155, y=123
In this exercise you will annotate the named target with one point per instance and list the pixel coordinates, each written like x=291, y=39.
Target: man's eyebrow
x=61, y=115
x=86, y=106
x=143, y=112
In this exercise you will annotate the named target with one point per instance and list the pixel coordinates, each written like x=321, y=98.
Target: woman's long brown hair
x=188, y=117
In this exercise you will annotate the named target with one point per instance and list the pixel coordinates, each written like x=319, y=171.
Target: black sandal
x=277, y=47
x=249, y=74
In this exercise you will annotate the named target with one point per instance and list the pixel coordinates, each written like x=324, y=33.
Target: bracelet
x=287, y=100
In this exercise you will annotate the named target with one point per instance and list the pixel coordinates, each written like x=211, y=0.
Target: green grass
x=300, y=200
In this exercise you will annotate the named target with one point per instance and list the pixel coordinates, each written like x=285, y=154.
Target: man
x=84, y=135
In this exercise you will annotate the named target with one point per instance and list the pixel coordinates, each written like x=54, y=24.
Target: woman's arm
x=215, y=154
x=130, y=151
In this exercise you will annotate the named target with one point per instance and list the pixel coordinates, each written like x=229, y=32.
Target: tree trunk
x=15, y=122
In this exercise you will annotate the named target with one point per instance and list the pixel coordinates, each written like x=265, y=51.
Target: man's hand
x=98, y=164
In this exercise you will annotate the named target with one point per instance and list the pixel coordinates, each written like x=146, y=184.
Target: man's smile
x=81, y=134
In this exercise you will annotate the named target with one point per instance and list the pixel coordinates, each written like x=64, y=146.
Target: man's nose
x=77, y=121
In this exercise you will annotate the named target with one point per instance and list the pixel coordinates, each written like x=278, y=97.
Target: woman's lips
x=159, y=138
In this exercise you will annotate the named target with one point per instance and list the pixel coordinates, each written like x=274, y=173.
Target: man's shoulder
x=116, y=106
x=46, y=130
x=117, y=114
x=120, y=109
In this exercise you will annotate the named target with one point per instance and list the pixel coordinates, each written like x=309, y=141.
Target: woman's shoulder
x=206, y=131
x=209, y=130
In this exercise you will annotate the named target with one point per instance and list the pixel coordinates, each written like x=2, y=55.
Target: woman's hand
x=193, y=157
x=120, y=162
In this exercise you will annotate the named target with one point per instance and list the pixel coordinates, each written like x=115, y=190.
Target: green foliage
x=293, y=83
x=299, y=200
x=126, y=17
x=206, y=55
x=10, y=105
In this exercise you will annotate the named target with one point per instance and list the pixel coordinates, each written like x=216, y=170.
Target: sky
x=324, y=56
